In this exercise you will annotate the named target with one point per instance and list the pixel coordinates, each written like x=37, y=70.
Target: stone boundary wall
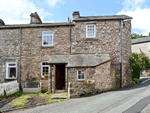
x=10, y=87
x=136, y=48
x=145, y=73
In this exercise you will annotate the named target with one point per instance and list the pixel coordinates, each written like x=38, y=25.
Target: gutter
x=121, y=54
x=32, y=26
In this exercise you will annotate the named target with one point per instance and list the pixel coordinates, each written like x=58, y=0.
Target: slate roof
x=141, y=40
x=36, y=25
x=109, y=17
x=80, y=60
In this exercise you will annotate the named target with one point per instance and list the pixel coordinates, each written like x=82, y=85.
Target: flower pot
x=46, y=76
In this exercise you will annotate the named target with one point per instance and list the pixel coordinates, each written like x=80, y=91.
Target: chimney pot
x=76, y=14
x=35, y=19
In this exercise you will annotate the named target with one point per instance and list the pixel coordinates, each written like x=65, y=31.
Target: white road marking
x=145, y=81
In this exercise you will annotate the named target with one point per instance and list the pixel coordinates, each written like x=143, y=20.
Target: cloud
x=18, y=11
x=53, y=3
x=140, y=13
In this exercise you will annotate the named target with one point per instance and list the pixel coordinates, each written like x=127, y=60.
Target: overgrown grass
x=18, y=93
x=21, y=101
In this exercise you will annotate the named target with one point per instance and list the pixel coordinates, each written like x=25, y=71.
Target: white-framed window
x=47, y=38
x=149, y=46
x=11, y=70
x=90, y=31
x=45, y=69
x=81, y=75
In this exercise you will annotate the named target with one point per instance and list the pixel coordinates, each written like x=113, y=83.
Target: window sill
x=44, y=78
x=10, y=78
x=80, y=80
x=91, y=39
x=47, y=46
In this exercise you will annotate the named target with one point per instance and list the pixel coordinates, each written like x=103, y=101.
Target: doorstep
x=59, y=96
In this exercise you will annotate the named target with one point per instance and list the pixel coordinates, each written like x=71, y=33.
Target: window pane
x=79, y=72
x=82, y=76
x=79, y=76
x=12, y=72
x=90, y=30
x=47, y=37
x=45, y=69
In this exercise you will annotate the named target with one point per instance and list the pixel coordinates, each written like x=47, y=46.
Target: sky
x=18, y=11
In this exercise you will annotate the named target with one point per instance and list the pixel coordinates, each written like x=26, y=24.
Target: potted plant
x=90, y=81
x=46, y=76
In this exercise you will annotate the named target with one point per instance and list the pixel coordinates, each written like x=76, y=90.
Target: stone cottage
x=141, y=44
x=90, y=54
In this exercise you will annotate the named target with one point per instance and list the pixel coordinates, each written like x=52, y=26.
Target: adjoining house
x=88, y=54
x=141, y=44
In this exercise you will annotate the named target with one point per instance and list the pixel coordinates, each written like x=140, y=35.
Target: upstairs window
x=11, y=70
x=47, y=38
x=81, y=75
x=90, y=31
x=45, y=69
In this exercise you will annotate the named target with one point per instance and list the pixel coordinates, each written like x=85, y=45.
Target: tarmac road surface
x=134, y=99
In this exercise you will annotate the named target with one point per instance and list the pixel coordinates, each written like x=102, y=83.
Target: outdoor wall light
x=52, y=67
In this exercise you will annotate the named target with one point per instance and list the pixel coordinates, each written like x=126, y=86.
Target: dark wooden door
x=60, y=76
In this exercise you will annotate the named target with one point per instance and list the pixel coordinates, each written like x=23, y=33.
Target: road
x=134, y=99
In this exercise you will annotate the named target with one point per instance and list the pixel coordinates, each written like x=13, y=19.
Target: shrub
x=135, y=80
x=139, y=62
x=43, y=91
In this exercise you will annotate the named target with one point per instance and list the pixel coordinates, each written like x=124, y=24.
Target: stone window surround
x=84, y=75
x=50, y=45
x=42, y=69
x=87, y=30
x=7, y=66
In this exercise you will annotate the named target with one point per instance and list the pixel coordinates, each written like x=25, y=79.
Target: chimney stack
x=76, y=15
x=35, y=19
x=1, y=22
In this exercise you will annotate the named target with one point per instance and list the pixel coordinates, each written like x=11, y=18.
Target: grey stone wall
x=9, y=50
x=33, y=54
x=127, y=53
x=103, y=80
x=136, y=48
x=107, y=40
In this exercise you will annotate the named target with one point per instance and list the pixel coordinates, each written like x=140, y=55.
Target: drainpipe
x=121, y=53
x=20, y=60
x=67, y=78
x=51, y=78
x=70, y=37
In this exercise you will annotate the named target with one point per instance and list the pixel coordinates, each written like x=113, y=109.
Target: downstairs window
x=11, y=70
